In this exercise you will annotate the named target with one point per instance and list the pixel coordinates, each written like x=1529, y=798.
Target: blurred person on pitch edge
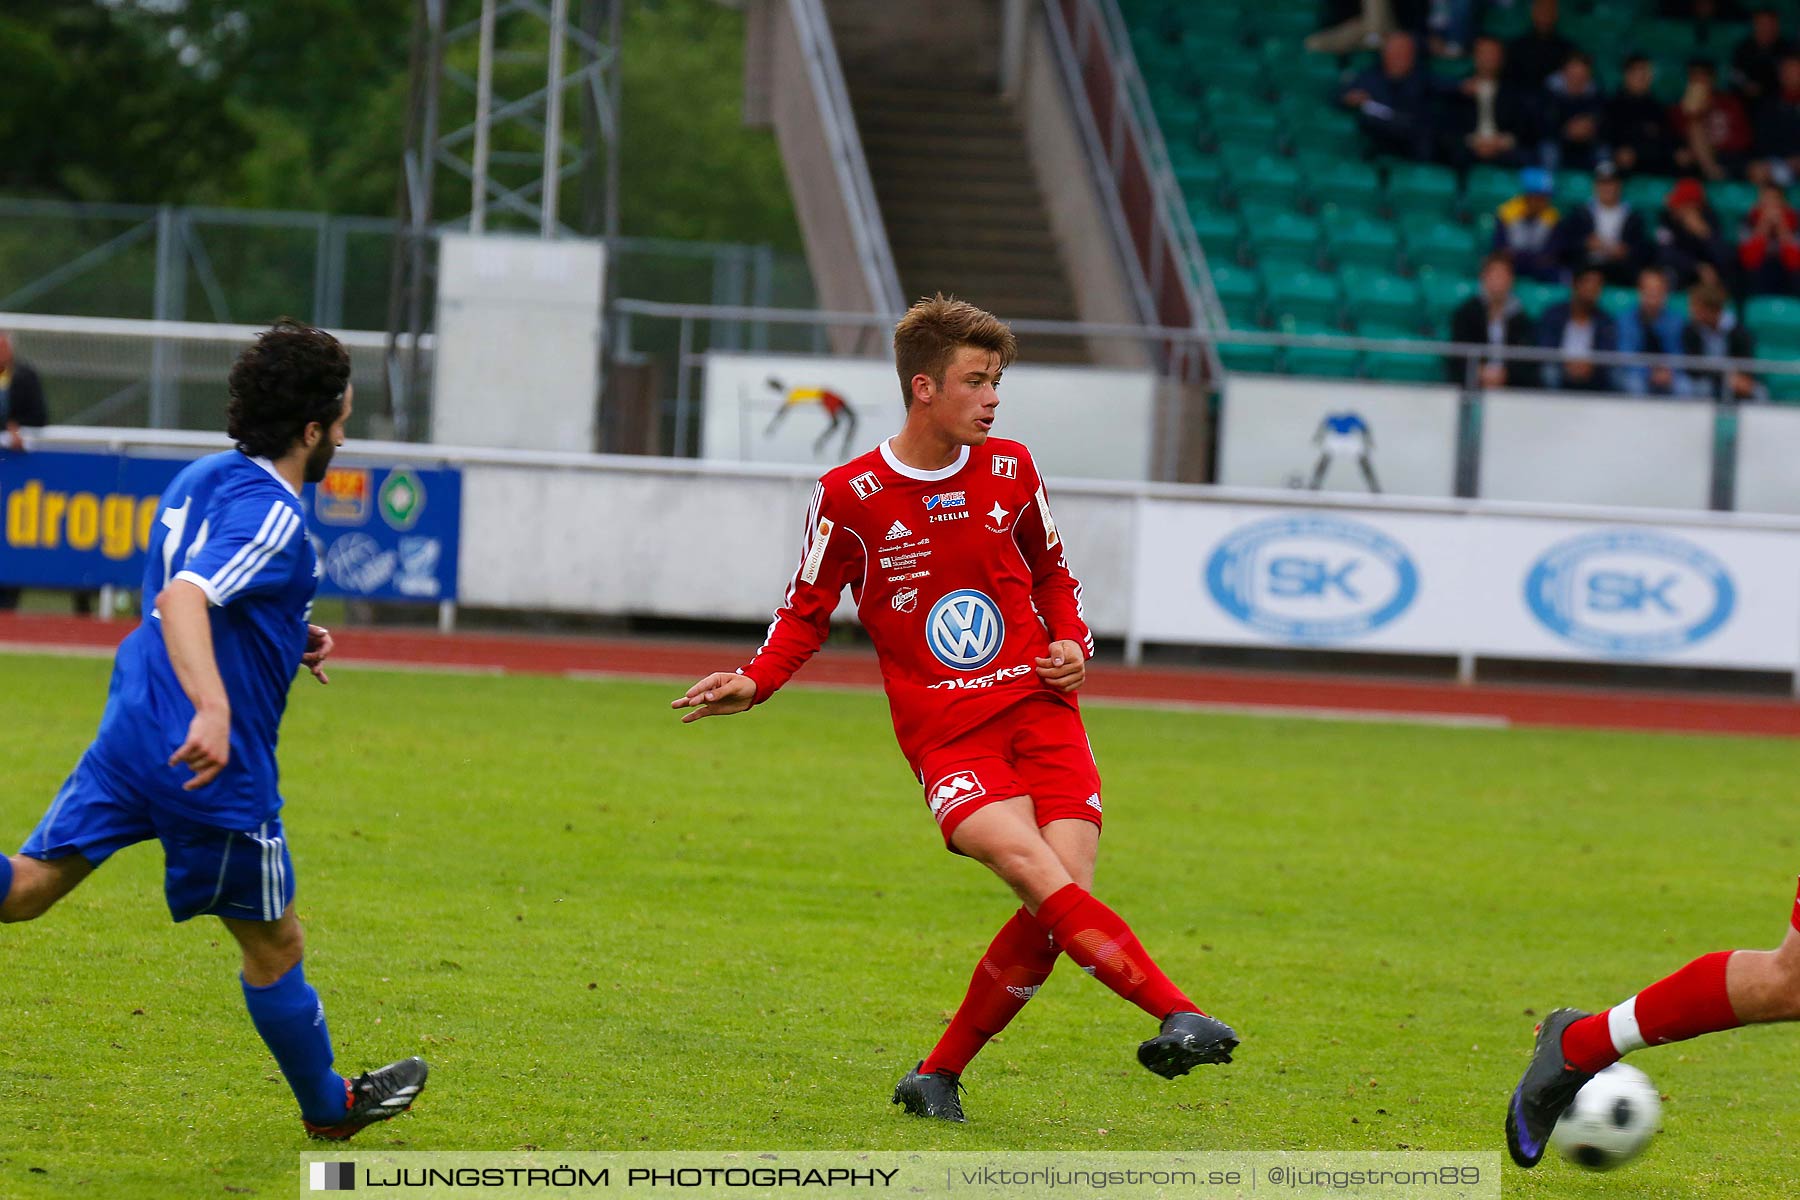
x=1493, y=316
x=1606, y=232
x=944, y=536
x=1651, y=327
x=186, y=748
x=1715, y=992
x=1768, y=250
x=1525, y=228
x=21, y=408
x=1580, y=328
x=1713, y=331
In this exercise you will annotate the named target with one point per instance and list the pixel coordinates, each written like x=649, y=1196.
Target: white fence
x=1162, y=564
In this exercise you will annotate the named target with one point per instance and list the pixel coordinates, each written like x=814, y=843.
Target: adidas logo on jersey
x=898, y=530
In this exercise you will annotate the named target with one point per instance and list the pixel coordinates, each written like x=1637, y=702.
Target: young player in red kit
x=944, y=536
x=1717, y=991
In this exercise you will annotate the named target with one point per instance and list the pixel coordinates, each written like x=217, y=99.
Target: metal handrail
x=832, y=94
x=1161, y=333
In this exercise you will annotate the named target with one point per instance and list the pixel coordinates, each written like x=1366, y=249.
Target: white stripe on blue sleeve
x=277, y=530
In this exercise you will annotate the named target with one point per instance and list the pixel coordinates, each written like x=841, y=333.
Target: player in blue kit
x=186, y=748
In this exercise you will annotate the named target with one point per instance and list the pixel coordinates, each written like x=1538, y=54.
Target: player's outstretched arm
x=187, y=632
x=718, y=695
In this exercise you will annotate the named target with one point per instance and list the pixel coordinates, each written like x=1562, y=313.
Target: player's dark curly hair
x=290, y=376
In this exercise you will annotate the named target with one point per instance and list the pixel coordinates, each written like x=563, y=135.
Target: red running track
x=1324, y=695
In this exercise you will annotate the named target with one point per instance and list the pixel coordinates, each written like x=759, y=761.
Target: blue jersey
x=229, y=525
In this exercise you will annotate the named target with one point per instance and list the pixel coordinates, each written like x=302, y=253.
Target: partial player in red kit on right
x=1717, y=991
x=944, y=537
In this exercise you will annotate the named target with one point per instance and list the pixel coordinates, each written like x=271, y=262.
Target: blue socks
x=291, y=1020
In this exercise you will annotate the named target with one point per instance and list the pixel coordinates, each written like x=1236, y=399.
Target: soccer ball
x=1612, y=1119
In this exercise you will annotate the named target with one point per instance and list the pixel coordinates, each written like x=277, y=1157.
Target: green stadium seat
x=1200, y=175
x=1281, y=233
x=1646, y=193
x=1535, y=297
x=1440, y=292
x=1618, y=300
x=1382, y=297
x=1366, y=241
x=1219, y=230
x=1397, y=366
x=1290, y=22
x=1306, y=360
x=1444, y=246
x=1333, y=177
x=1262, y=360
x=1775, y=320
x=1263, y=179
x=1421, y=186
x=1239, y=290
x=1489, y=187
x=1301, y=295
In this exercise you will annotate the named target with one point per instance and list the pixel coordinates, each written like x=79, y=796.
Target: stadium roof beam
x=501, y=129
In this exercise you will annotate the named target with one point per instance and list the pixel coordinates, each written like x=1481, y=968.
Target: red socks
x=1692, y=1001
x=1009, y=974
x=1100, y=942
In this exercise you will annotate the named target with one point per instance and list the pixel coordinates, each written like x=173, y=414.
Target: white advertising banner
x=1566, y=448
x=1454, y=584
x=1338, y=436
x=1080, y=422
x=1635, y=593
x=1768, y=459
x=1235, y=575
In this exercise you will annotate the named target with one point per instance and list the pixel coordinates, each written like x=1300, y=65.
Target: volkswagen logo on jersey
x=1312, y=579
x=1630, y=592
x=964, y=630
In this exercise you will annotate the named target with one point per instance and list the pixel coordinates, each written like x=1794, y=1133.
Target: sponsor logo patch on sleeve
x=809, y=571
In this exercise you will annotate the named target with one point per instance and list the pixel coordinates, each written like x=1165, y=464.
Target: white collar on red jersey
x=892, y=460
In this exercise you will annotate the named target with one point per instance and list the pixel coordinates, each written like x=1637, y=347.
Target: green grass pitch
x=610, y=932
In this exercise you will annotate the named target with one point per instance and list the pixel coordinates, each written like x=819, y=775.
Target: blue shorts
x=245, y=874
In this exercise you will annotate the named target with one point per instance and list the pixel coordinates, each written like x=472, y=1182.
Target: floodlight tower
x=491, y=82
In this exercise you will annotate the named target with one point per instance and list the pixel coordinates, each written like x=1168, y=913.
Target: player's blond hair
x=932, y=331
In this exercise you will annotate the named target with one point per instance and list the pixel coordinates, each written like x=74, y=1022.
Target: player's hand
x=718, y=695
x=318, y=648
x=1064, y=668
x=207, y=749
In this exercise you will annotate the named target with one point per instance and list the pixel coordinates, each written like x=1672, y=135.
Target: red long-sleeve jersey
x=957, y=574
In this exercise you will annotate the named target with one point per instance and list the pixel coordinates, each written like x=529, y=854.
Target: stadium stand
x=1309, y=228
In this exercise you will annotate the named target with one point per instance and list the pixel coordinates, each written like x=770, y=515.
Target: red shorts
x=1037, y=748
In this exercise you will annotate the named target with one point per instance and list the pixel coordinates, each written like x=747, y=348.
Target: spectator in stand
x=1393, y=101
x=1580, y=328
x=1525, y=228
x=1757, y=59
x=1451, y=26
x=1540, y=51
x=1651, y=327
x=1768, y=251
x=1778, y=128
x=21, y=408
x=1576, y=109
x=1688, y=242
x=1712, y=331
x=1496, y=118
x=1606, y=232
x=1712, y=134
x=1493, y=317
x=1637, y=123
